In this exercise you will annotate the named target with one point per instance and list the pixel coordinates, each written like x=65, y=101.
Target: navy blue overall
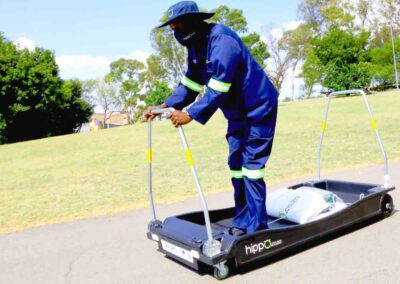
x=240, y=88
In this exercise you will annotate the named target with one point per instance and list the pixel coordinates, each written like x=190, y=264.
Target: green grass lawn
x=88, y=174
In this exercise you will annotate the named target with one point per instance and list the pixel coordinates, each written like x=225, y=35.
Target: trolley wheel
x=221, y=272
x=154, y=224
x=387, y=206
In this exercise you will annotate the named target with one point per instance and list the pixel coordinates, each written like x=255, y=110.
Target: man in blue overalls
x=218, y=59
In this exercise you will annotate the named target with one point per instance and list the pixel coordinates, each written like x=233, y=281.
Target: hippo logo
x=264, y=245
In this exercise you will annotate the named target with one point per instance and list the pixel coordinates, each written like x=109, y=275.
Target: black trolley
x=202, y=237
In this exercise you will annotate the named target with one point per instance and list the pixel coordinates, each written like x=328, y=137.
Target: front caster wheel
x=387, y=206
x=153, y=225
x=221, y=272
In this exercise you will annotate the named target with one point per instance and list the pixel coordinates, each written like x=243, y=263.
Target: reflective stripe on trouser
x=252, y=174
x=249, y=148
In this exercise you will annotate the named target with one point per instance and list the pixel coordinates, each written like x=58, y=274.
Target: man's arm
x=224, y=57
x=184, y=95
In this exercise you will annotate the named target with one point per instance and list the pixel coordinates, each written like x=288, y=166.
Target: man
x=218, y=59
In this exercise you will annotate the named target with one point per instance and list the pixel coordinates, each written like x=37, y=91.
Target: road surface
x=115, y=249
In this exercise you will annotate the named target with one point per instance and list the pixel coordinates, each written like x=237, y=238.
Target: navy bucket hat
x=185, y=8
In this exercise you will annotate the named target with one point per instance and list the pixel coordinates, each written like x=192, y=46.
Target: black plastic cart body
x=203, y=237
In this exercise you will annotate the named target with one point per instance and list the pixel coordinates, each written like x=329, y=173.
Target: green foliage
x=323, y=14
x=126, y=73
x=232, y=18
x=336, y=15
x=374, y=16
x=88, y=87
x=34, y=101
x=380, y=38
x=339, y=60
x=312, y=72
x=3, y=126
x=257, y=48
x=296, y=42
x=382, y=67
x=129, y=76
x=155, y=71
x=71, y=110
x=158, y=95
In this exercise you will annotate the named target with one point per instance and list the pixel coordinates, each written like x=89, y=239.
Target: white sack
x=301, y=205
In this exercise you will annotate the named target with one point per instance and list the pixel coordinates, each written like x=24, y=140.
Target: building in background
x=109, y=120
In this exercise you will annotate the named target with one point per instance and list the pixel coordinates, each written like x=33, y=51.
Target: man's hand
x=150, y=116
x=179, y=118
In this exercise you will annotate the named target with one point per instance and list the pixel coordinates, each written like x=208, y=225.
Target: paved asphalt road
x=115, y=250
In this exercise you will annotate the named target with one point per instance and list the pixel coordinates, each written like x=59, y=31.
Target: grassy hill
x=88, y=174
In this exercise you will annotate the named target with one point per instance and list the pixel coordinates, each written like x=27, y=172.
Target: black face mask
x=191, y=34
x=186, y=37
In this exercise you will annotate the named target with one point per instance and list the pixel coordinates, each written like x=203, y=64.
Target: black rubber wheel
x=221, y=274
x=387, y=206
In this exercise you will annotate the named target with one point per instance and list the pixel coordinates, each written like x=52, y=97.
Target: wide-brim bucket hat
x=185, y=9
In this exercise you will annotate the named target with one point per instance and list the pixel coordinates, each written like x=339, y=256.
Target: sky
x=87, y=35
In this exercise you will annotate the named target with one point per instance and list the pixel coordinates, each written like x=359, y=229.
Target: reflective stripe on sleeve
x=219, y=86
x=236, y=174
x=253, y=174
x=191, y=84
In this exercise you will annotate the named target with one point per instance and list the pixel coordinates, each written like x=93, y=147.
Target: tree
x=72, y=110
x=88, y=87
x=340, y=58
x=322, y=14
x=158, y=94
x=363, y=10
x=169, y=56
x=127, y=74
x=107, y=98
x=351, y=16
x=232, y=18
x=382, y=70
x=296, y=44
x=370, y=15
x=312, y=72
x=280, y=61
x=155, y=72
x=235, y=19
x=34, y=101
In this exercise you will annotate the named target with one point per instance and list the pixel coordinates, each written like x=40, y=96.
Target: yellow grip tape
x=323, y=127
x=149, y=155
x=189, y=157
x=374, y=125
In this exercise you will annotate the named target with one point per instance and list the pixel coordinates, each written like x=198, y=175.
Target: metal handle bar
x=386, y=177
x=210, y=244
x=162, y=110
